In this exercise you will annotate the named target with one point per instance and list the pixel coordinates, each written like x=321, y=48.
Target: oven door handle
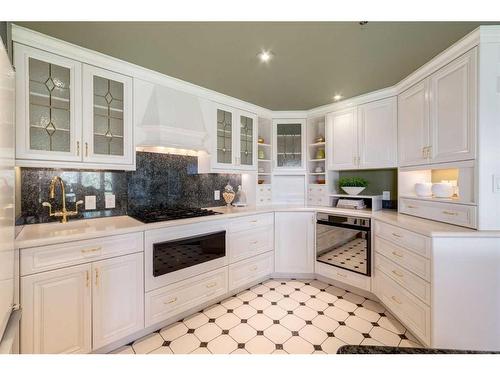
x=339, y=225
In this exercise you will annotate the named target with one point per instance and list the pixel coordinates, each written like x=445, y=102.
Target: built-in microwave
x=344, y=241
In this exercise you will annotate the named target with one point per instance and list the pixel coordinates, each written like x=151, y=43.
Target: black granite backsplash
x=160, y=180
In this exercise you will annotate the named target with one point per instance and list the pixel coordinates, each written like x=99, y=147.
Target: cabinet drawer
x=174, y=299
x=450, y=213
x=44, y=258
x=413, y=283
x=264, y=199
x=402, y=237
x=247, y=271
x=404, y=258
x=249, y=243
x=412, y=312
x=315, y=200
x=318, y=189
x=264, y=189
x=344, y=276
x=250, y=222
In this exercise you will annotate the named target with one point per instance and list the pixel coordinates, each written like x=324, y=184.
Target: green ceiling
x=312, y=62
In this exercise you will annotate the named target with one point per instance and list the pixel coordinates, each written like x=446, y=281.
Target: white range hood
x=165, y=117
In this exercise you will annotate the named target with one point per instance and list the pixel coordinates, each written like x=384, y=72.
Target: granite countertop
x=368, y=349
x=52, y=233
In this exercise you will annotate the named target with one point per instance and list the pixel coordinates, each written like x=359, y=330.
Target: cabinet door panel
x=118, y=298
x=107, y=121
x=342, y=135
x=224, y=143
x=453, y=110
x=377, y=133
x=56, y=311
x=247, y=158
x=294, y=247
x=48, y=105
x=289, y=145
x=413, y=124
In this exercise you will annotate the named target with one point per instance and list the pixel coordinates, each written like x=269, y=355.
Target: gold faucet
x=64, y=213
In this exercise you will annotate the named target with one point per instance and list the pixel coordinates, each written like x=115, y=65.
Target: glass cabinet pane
x=224, y=136
x=289, y=145
x=246, y=140
x=108, y=117
x=49, y=106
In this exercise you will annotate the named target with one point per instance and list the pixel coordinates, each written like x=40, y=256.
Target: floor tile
x=272, y=283
x=208, y=332
x=127, y=349
x=348, y=335
x=170, y=333
x=260, y=289
x=247, y=295
x=232, y=303
x=224, y=344
x=260, y=322
x=162, y=350
x=384, y=336
x=260, y=345
x=308, y=289
x=288, y=304
x=297, y=345
x=358, y=324
x=325, y=323
x=336, y=313
x=313, y=334
x=319, y=284
x=370, y=341
x=277, y=333
x=392, y=325
x=213, y=312
x=366, y=314
x=300, y=296
x=373, y=306
x=336, y=291
x=275, y=312
x=305, y=313
x=326, y=297
x=285, y=289
x=244, y=312
x=331, y=345
x=201, y=351
x=195, y=320
x=185, y=344
x=242, y=333
x=240, y=351
x=345, y=305
x=354, y=298
x=148, y=344
x=316, y=304
x=259, y=303
x=295, y=284
x=273, y=296
x=227, y=321
x=292, y=322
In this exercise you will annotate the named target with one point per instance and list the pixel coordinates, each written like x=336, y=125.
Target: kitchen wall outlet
x=386, y=195
x=90, y=202
x=217, y=195
x=109, y=200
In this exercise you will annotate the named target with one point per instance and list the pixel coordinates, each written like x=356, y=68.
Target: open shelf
x=316, y=160
x=317, y=144
x=264, y=144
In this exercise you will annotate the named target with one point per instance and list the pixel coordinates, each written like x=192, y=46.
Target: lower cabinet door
x=294, y=242
x=118, y=298
x=56, y=315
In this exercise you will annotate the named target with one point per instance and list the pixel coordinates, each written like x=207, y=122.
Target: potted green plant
x=353, y=185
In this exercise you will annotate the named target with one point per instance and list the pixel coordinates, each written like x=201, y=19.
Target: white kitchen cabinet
x=69, y=112
x=57, y=311
x=294, y=242
x=289, y=145
x=107, y=117
x=342, y=139
x=377, y=134
x=118, y=298
x=363, y=137
x=437, y=116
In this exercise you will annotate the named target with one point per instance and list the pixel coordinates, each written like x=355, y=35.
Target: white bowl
x=353, y=190
x=423, y=189
x=442, y=190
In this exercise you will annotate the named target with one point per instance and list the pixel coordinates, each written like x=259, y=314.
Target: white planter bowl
x=353, y=190
x=442, y=190
x=423, y=189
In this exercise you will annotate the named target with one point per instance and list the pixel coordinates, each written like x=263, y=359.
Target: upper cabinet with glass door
x=289, y=145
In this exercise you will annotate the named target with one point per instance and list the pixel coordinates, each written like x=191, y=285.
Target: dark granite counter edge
x=368, y=349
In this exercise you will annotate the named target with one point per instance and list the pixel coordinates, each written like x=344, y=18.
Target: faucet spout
x=63, y=214
x=58, y=180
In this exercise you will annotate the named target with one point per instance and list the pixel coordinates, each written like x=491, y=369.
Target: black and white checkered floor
x=279, y=317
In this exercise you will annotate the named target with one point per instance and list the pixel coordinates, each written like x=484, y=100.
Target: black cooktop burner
x=175, y=213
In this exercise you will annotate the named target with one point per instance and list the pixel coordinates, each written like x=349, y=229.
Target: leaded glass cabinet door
x=225, y=134
x=247, y=158
x=48, y=106
x=289, y=144
x=107, y=117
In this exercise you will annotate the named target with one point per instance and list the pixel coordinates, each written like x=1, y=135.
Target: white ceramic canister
x=423, y=189
x=442, y=190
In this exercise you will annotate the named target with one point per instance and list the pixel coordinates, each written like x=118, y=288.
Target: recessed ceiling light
x=265, y=56
x=337, y=97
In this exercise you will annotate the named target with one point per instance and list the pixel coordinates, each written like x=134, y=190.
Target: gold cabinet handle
x=211, y=285
x=97, y=277
x=86, y=149
x=341, y=275
x=395, y=299
x=77, y=148
x=87, y=274
x=170, y=301
x=397, y=254
x=398, y=274
x=411, y=206
x=92, y=250
x=254, y=221
x=397, y=235
x=452, y=213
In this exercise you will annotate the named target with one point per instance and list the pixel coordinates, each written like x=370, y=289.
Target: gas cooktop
x=174, y=213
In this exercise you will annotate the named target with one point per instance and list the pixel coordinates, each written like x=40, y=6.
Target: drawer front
x=344, y=276
x=317, y=200
x=318, y=189
x=251, y=222
x=450, y=213
x=45, y=258
x=264, y=189
x=249, y=243
x=174, y=299
x=404, y=258
x=415, y=314
x=264, y=199
x=250, y=270
x=414, y=284
x=405, y=238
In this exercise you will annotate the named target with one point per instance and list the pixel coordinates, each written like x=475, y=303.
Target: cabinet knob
x=395, y=299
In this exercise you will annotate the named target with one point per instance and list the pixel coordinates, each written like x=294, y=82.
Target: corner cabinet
x=67, y=111
x=289, y=145
x=437, y=116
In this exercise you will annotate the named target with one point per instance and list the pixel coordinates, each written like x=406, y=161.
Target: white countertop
x=52, y=233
